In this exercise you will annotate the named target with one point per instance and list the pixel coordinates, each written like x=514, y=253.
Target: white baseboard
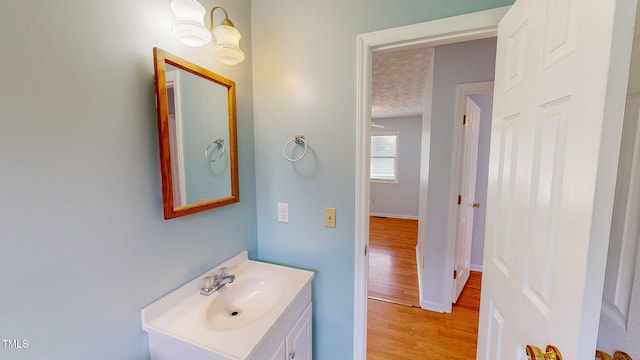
x=477, y=268
x=395, y=216
x=433, y=307
x=420, y=266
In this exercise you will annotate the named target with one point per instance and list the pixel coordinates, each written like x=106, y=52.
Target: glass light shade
x=189, y=26
x=227, y=49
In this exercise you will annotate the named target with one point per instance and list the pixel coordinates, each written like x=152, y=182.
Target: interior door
x=468, y=167
x=620, y=316
x=558, y=101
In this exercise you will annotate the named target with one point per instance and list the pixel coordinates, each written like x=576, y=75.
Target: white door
x=467, y=198
x=559, y=94
x=620, y=316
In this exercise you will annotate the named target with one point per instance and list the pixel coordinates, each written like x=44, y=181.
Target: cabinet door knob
x=292, y=355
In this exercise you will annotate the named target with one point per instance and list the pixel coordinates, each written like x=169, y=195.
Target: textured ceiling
x=399, y=81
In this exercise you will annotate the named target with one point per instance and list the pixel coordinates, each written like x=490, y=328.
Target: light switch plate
x=283, y=212
x=330, y=217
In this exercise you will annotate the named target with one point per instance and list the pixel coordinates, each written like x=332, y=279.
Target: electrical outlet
x=330, y=217
x=283, y=212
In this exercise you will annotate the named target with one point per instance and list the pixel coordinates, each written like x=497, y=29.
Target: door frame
x=463, y=90
x=474, y=26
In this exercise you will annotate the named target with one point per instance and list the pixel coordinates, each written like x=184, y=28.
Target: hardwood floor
x=397, y=331
x=392, y=260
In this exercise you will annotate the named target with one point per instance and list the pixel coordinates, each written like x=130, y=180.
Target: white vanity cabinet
x=281, y=352
x=289, y=340
x=298, y=341
x=265, y=313
x=297, y=344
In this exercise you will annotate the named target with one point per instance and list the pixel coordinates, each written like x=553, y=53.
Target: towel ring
x=298, y=139
x=219, y=143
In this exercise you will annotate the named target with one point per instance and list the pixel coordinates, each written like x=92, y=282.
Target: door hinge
x=459, y=199
x=455, y=274
x=366, y=250
x=464, y=120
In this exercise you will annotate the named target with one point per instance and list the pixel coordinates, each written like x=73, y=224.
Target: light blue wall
x=400, y=199
x=84, y=246
x=83, y=243
x=305, y=83
x=485, y=101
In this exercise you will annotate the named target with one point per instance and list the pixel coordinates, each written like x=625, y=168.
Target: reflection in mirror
x=197, y=128
x=198, y=117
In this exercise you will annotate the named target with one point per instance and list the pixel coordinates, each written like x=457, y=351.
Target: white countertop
x=182, y=314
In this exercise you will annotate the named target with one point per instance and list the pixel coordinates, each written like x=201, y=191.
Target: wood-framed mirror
x=197, y=136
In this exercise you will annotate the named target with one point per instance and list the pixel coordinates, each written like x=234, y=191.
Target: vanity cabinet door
x=298, y=341
x=280, y=353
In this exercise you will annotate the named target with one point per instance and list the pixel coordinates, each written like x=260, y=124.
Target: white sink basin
x=244, y=301
x=232, y=322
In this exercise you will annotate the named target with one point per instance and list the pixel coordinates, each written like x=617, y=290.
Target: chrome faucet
x=211, y=284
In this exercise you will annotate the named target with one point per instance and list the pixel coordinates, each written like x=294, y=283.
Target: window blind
x=383, y=157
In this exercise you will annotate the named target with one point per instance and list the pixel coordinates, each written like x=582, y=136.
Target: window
x=384, y=154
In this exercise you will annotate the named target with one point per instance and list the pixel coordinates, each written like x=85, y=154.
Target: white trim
x=363, y=145
x=475, y=267
x=425, y=151
x=437, y=307
x=395, y=216
x=463, y=90
x=403, y=116
x=380, y=181
x=466, y=27
x=420, y=266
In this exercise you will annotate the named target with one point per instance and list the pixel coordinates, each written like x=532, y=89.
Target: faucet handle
x=207, y=283
x=220, y=273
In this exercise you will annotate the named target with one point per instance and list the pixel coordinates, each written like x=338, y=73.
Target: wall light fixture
x=190, y=29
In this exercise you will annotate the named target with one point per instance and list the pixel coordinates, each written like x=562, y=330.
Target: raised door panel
x=620, y=316
x=280, y=353
x=298, y=342
x=550, y=174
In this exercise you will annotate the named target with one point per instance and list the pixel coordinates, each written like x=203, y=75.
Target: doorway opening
x=392, y=247
x=591, y=292
x=440, y=32
x=397, y=103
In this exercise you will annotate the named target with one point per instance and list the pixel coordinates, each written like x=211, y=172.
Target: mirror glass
x=197, y=133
